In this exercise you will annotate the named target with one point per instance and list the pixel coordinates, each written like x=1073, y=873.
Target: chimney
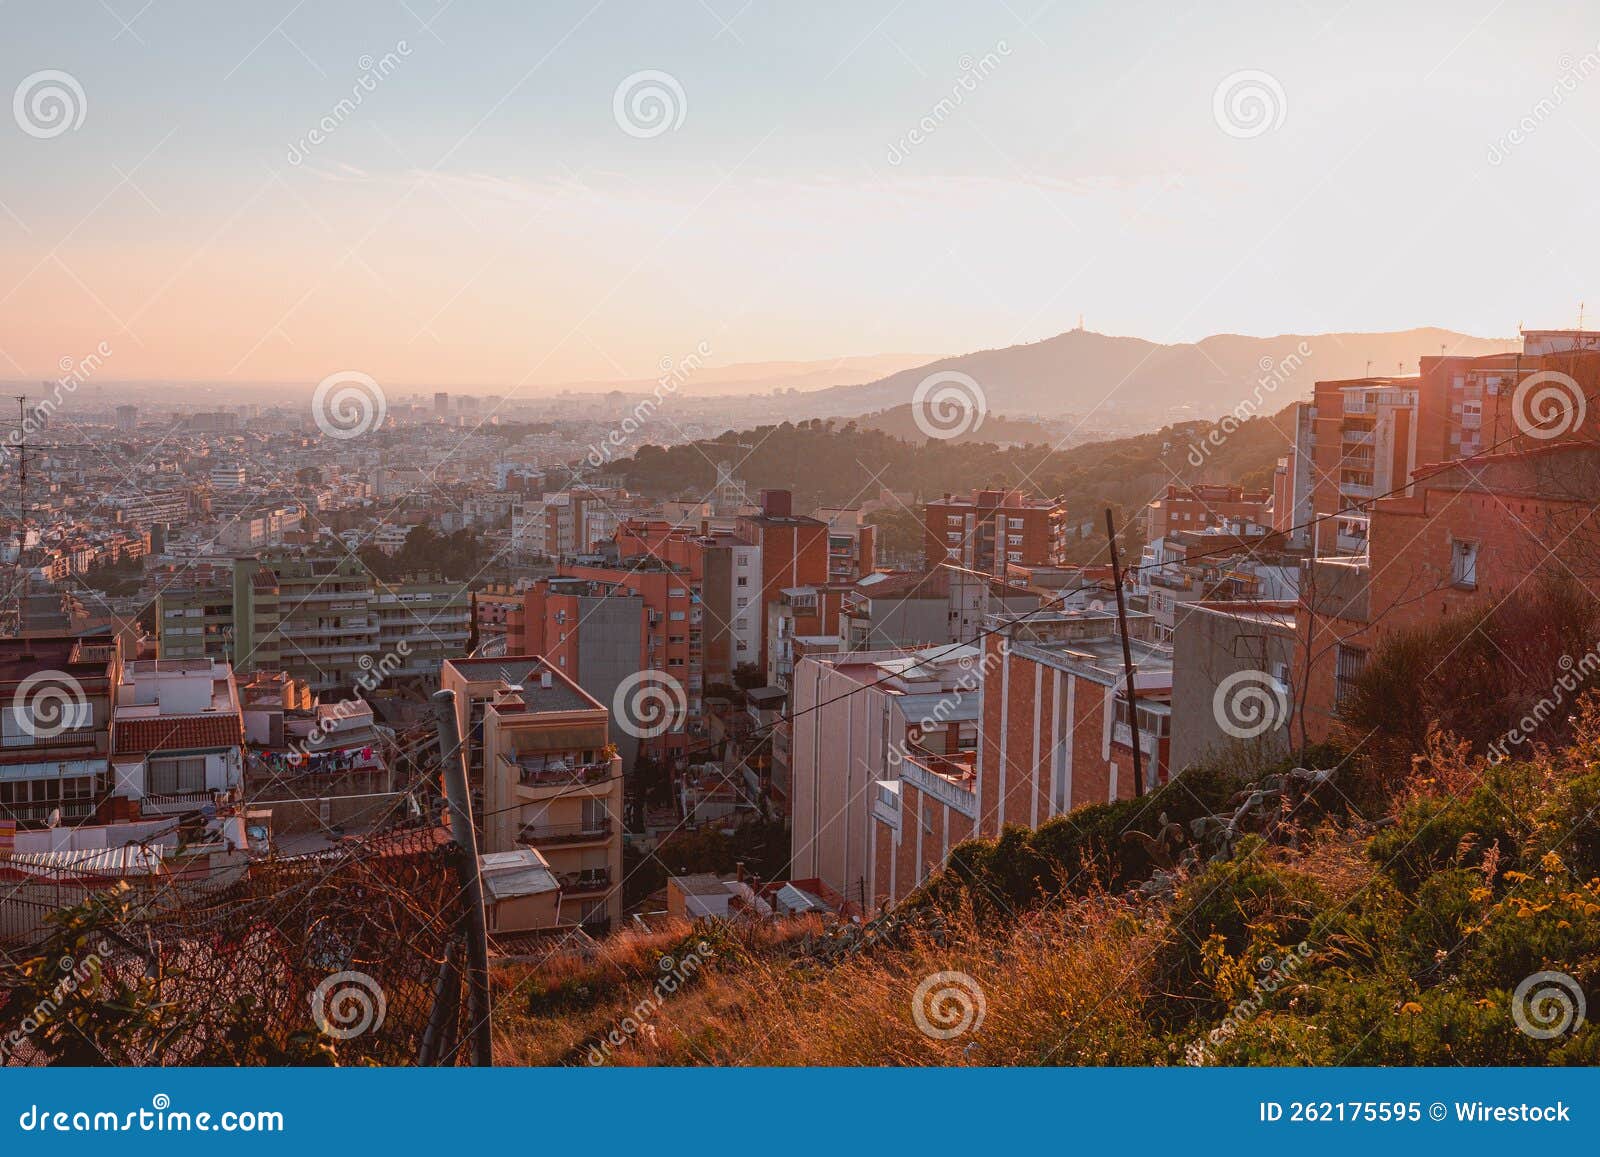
x=738, y=871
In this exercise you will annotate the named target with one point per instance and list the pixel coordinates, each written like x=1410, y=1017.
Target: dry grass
x=1058, y=987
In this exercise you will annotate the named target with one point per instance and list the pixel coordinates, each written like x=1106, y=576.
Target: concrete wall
x=1210, y=645
x=608, y=652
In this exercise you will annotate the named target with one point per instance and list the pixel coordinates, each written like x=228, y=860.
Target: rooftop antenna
x=1580, y=317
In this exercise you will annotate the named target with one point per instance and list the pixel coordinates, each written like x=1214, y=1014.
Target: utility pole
x=459, y=799
x=1127, y=658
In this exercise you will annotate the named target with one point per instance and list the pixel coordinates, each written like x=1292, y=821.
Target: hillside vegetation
x=829, y=463
x=1375, y=905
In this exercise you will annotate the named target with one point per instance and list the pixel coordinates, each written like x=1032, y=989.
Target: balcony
x=560, y=773
x=583, y=883
x=543, y=835
x=38, y=813
x=177, y=801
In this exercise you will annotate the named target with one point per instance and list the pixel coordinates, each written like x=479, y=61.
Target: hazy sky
x=482, y=215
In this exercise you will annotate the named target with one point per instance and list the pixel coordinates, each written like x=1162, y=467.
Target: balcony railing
x=37, y=813
x=583, y=773
x=177, y=801
x=541, y=834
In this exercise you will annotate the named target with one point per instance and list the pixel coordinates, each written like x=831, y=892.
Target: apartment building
x=856, y=718
x=988, y=529
x=1364, y=444
x=1467, y=537
x=802, y=618
x=1365, y=437
x=55, y=736
x=948, y=604
x=551, y=779
x=325, y=620
x=1055, y=733
x=793, y=552
x=177, y=735
x=595, y=632
x=1200, y=507
x=852, y=542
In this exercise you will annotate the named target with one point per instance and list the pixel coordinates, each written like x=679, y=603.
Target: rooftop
x=539, y=685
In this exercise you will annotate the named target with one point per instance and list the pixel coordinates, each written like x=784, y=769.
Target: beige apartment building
x=551, y=780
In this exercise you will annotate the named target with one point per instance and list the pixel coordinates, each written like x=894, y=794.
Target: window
x=172, y=776
x=1348, y=664
x=1464, y=564
x=744, y=580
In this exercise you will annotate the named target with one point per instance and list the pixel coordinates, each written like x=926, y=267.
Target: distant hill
x=899, y=422
x=825, y=462
x=743, y=378
x=1080, y=371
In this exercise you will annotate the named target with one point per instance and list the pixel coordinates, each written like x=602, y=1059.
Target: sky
x=504, y=195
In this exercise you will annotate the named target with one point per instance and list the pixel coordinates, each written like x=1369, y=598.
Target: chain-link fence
x=347, y=957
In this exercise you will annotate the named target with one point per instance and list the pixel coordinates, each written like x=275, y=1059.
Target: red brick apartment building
x=1363, y=437
x=791, y=551
x=1465, y=537
x=989, y=529
x=1053, y=735
x=1200, y=507
x=598, y=622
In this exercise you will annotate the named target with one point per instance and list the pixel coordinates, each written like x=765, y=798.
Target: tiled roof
x=176, y=733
